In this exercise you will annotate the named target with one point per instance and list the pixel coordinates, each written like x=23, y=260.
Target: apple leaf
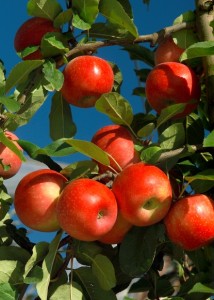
x=7, y=292
x=202, y=181
x=209, y=140
x=64, y=292
x=53, y=76
x=47, y=265
x=80, y=169
x=150, y=154
x=103, y=269
x=194, y=130
x=48, y=9
x=172, y=137
x=146, y=130
x=85, y=276
x=115, y=13
x=10, y=103
x=63, y=18
x=86, y=251
x=60, y=117
x=201, y=288
x=14, y=253
x=199, y=49
x=169, y=112
x=53, y=44
x=21, y=72
x=91, y=150
x=116, y=108
x=137, y=52
x=84, y=18
x=11, y=271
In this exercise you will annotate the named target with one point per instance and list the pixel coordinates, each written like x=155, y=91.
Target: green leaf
x=10, y=103
x=53, y=44
x=34, y=276
x=56, y=149
x=209, y=140
x=138, y=249
x=115, y=13
x=103, y=269
x=116, y=108
x=64, y=292
x=202, y=181
x=21, y=72
x=61, y=122
x=194, y=129
x=11, y=271
x=14, y=253
x=53, y=76
x=199, y=49
x=80, y=169
x=146, y=130
x=63, y=18
x=48, y=9
x=47, y=265
x=91, y=150
x=10, y=144
x=84, y=13
x=172, y=137
x=7, y=292
x=169, y=112
x=201, y=288
x=86, y=278
x=150, y=154
x=86, y=251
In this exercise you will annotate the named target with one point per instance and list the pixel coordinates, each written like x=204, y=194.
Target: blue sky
x=159, y=14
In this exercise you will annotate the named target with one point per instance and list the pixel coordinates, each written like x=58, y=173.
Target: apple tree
x=168, y=257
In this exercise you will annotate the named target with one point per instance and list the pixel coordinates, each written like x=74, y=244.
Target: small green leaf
x=199, y=49
x=115, y=13
x=63, y=18
x=91, y=150
x=61, y=122
x=150, y=154
x=10, y=103
x=137, y=52
x=146, y=130
x=86, y=251
x=201, y=288
x=80, y=169
x=47, y=265
x=48, y=9
x=202, y=181
x=7, y=292
x=172, y=137
x=53, y=44
x=169, y=112
x=67, y=291
x=53, y=76
x=116, y=108
x=209, y=140
x=21, y=72
x=56, y=149
x=14, y=253
x=11, y=271
x=103, y=269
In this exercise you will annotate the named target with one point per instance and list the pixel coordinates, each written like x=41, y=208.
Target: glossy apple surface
x=143, y=194
x=117, y=141
x=167, y=51
x=36, y=197
x=86, y=78
x=118, y=231
x=9, y=158
x=30, y=33
x=86, y=209
x=171, y=83
x=190, y=222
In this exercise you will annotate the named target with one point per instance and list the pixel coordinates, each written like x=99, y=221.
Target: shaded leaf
x=14, y=253
x=169, y=112
x=172, y=137
x=53, y=44
x=137, y=52
x=11, y=271
x=63, y=18
x=80, y=169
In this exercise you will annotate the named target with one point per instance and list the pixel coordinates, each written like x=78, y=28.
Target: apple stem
x=205, y=17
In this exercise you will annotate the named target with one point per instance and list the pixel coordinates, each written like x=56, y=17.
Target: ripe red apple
x=167, y=51
x=9, y=158
x=30, y=33
x=118, y=231
x=117, y=141
x=143, y=194
x=86, y=78
x=190, y=222
x=36, y=197
x=170, y=83
x=87, y=209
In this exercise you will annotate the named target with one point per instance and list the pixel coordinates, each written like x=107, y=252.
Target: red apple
x=170, y=83
x=143, y=194
x=117, y=141
x=118, y=231
x=190, y=222
x=87, y=209
x=167, y=51
x=86, y=78
x=9, y=158
x=36, y=197
x=30, y=33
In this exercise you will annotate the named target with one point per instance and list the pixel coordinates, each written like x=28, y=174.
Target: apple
x=30, y=33
x=143, y=193
x=118, y=142
x=171, y=83
x=86, y=78
x=86, y=209
x=167, y=51
x=118, y=231
x=190, y=222
x=9, y=158
x=36, y=197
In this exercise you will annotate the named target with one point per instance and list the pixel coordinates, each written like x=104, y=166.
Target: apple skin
x=118, y=231
x=190, y=222
x=35, y=199
x=30, y=33
x=86, y=78
x=8, y=157
x=87, y=209
x=170, y=83
x=143, y=193
x=117, y=141
x=167, y=51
